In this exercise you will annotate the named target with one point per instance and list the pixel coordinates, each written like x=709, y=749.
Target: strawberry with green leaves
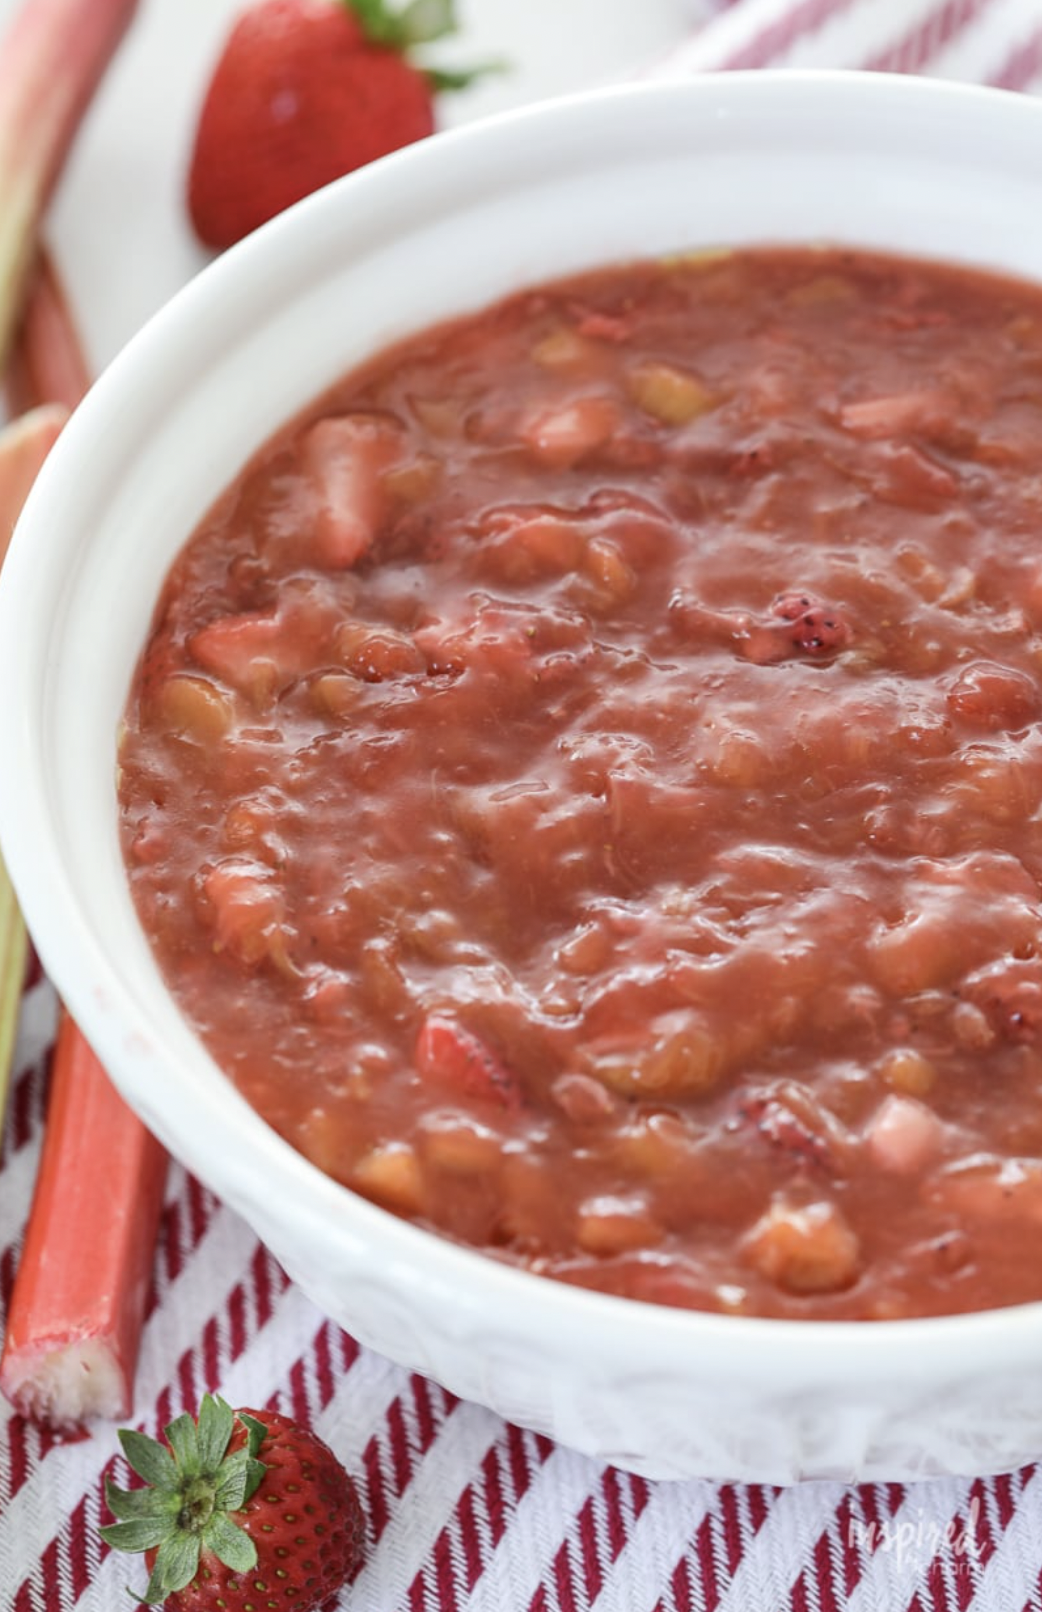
x=303, y=92
x=242, y=1510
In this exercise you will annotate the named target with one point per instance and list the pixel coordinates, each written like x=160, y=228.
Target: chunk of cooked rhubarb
x=52, y=58
x=346, y=458
x=78, y=1304
x=560, y=437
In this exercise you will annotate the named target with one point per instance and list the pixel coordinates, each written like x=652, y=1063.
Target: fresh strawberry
x=304, y=91
x=244, y=1509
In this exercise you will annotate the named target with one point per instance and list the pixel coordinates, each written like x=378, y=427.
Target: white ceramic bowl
x=442, y=228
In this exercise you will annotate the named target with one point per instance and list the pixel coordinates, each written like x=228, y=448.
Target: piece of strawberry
x=243, y=1509
x=303, y=92
x=450, y=1056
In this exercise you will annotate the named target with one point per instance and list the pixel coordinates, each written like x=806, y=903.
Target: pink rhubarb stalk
x=52, y=58
x=74, y=1322
x=47, y=360
x=13, y=954
x=75, y=1317
x=24, y=445
x=23, y=448
x=78, y=1305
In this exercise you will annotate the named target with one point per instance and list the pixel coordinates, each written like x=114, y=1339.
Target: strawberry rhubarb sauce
x=584, y=784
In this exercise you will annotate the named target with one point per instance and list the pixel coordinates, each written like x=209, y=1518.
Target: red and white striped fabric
x=995, y=42
x=467, y=1512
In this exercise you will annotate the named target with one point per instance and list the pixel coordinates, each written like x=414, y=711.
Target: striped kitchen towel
x=996, y=42
x=468, y=1513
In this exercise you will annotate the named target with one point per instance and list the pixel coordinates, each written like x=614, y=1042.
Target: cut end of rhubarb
x=68, y=1385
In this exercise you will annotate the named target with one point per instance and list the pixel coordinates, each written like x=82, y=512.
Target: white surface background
x=117, y=223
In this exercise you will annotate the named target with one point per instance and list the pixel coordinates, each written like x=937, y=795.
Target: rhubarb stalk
x=52, y=58
x=23, y=448
x=13, y=952
x=74, y=1322
x=24, y=445
x=47, y=360
x=75, y=1316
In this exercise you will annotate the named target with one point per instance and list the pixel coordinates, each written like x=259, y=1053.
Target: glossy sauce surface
x=584, y=783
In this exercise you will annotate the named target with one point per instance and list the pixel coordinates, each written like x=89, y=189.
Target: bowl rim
x=69, y=941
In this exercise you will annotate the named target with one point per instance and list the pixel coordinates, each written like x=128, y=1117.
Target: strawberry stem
x=421, y=22
x=197, y=1505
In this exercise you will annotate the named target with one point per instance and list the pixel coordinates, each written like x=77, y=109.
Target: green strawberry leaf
x=255, y=1470
x=379, y=25
x=144, y=1533
x=444, y=79
x=177, y=1562
x=425, y=20
x=230, y=1481
x=419, y=22
x=183, y=1440
x=230, y=1544
x=148, y=1458
x=216, y=1421
x=129, y=1504
x=256, y=1432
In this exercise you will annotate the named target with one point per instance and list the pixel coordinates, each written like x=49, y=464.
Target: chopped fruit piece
x=392, y=1175
x=1009, y=994
x=611, y=1225
x=994, y=697
x=563, y=436
x=246, y=909
x=795, y=1123
x=983, y=1188
x=259, y=653
x=904, y=414
x=903, y=1134
x=454, y=1058
x=671, y=395
x=908, y=1072
x=816, y=628
x=565, y=351
x=805, y=1248
x=374, y=654
x=193, y=706
x=346, y=458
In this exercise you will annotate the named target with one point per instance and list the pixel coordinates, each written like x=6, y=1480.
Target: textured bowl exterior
x=442, y=228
